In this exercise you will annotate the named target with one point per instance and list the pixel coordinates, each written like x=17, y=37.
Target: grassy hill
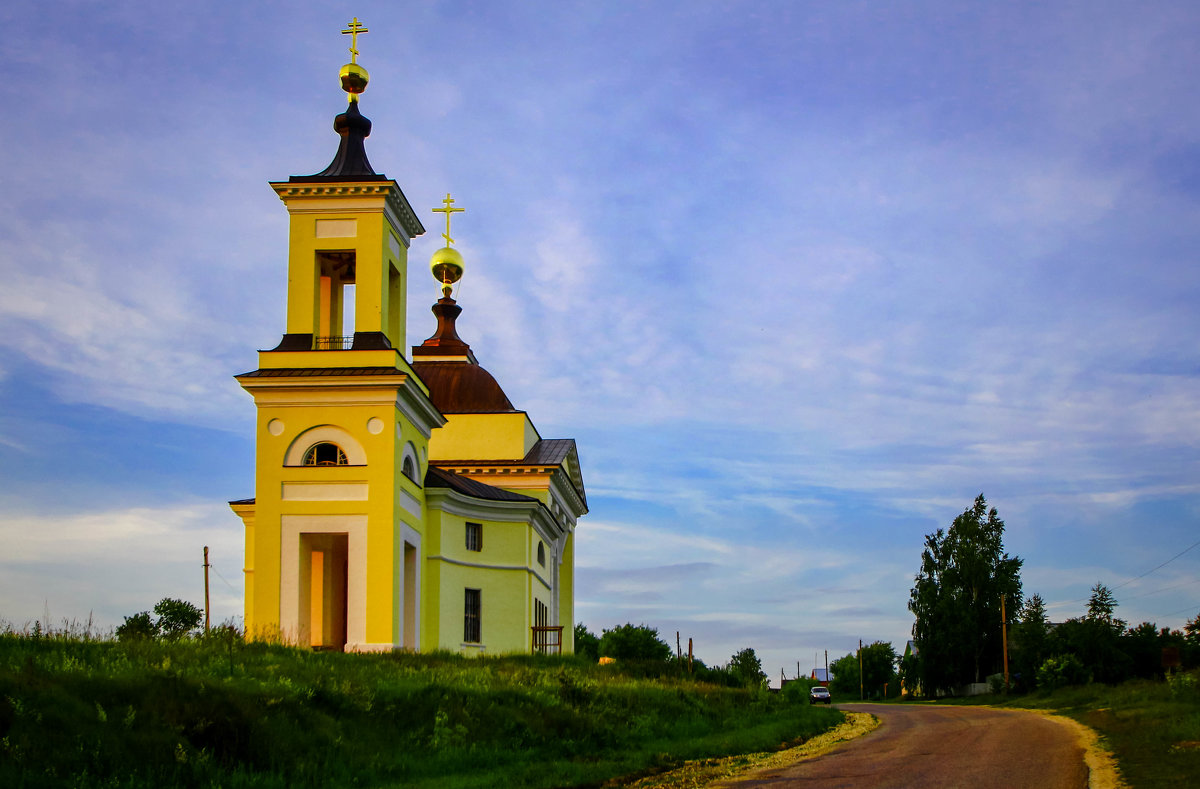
x=218, y=712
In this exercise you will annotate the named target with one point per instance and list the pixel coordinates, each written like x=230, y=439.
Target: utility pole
x=1004, y=639
x=827, y=667
x=860, y=672
x=689, y=655
x=206, y=620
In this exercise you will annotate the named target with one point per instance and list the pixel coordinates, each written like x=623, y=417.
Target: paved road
x=929, y=746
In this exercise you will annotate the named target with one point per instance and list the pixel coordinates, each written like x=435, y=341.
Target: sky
x=801, y=278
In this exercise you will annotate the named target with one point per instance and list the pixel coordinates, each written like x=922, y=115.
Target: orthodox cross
x=449, y=201
x=353, y=31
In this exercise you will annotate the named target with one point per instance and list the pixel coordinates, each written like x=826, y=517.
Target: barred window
x=471, y=617
x=325, y=454
x=474, y=536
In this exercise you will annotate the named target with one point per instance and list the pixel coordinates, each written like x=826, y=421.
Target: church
x=400, y=503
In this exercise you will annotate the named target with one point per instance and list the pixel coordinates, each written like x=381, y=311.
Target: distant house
x=821, y=675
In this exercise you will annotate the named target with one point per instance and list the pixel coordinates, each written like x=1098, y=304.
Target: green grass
x=1151, y=727
x=81, y=712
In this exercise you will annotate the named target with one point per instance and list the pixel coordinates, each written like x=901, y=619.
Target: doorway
x=324, y=564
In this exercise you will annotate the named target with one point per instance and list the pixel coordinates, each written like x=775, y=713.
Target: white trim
x=400, y=390
x=410, y=452
x=383, y=647
x=532, y=512
x=410, y=503
x=355, y=529
x=323, y=491
x=481, y=566
x=355, y=454
x=409, y=536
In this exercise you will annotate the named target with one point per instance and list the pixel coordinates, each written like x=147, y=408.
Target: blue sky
x=801, y=278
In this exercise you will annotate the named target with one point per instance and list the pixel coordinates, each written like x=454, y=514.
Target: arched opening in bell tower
x=335, y=297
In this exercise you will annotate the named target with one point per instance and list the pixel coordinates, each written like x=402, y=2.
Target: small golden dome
x=446, y=265
x=354, y=78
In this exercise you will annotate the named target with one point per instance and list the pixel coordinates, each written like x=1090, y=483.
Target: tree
x=844, y=681
x=956, y=599
x=1029, y=643
x=587, y=645
x=177, y=618
x=747, y=668
x=139, y=627
x=878, y=670
x=634, y=642
x=1101, y=606
x=1192, y=630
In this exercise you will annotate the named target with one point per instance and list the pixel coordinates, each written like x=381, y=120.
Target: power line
x=215, y=570
x=1164, y=589
x=1164, y=564
x=1131, y=580
x=1195, y=608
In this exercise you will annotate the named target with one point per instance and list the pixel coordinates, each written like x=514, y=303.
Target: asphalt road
x=931, y=746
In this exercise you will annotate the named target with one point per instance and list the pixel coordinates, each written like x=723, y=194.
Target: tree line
x=967, y=596
x=640, y=649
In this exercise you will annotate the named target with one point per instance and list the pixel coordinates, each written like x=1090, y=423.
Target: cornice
x=483, y=566
x=390, y=191
x=532, y=512
x=402, y=390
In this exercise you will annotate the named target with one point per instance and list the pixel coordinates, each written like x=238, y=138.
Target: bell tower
x=349, y=226
x=335, y=533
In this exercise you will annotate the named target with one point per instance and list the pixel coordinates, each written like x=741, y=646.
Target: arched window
x=409, y=466
x=325, y=454
x=541, y=553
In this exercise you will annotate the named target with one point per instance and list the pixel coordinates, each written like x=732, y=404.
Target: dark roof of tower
x=350, y=163
x=462, y=388
x=440, y=478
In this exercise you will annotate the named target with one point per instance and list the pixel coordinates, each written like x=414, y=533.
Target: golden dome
x=354, y=79
x=447, y=265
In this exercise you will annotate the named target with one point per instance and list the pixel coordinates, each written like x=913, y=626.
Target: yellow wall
x=483, y=437
x=369, y=490
x=504, y=571
x=566, y=595
x=346, y=217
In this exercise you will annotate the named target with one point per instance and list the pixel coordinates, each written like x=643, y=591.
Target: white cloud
x=115, y=563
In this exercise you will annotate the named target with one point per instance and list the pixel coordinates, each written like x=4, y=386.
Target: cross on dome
x=447, y=210
x=447, y=263
x=353, y=30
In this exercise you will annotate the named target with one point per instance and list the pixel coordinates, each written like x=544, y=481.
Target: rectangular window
x=471, y=617
x=474, y=536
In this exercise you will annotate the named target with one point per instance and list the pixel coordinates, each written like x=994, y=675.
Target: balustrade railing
x=334, y=343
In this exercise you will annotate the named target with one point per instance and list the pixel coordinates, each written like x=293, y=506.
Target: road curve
x=933, y=746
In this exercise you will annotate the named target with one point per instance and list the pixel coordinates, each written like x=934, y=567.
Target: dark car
x=819, y=694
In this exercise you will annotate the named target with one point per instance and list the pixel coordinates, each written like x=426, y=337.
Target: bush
x=747, y=668
x=177, y=618
x=634, y=642
x=1061, y=671
x=586, y=644
x=796, y=690
x=138, y=627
